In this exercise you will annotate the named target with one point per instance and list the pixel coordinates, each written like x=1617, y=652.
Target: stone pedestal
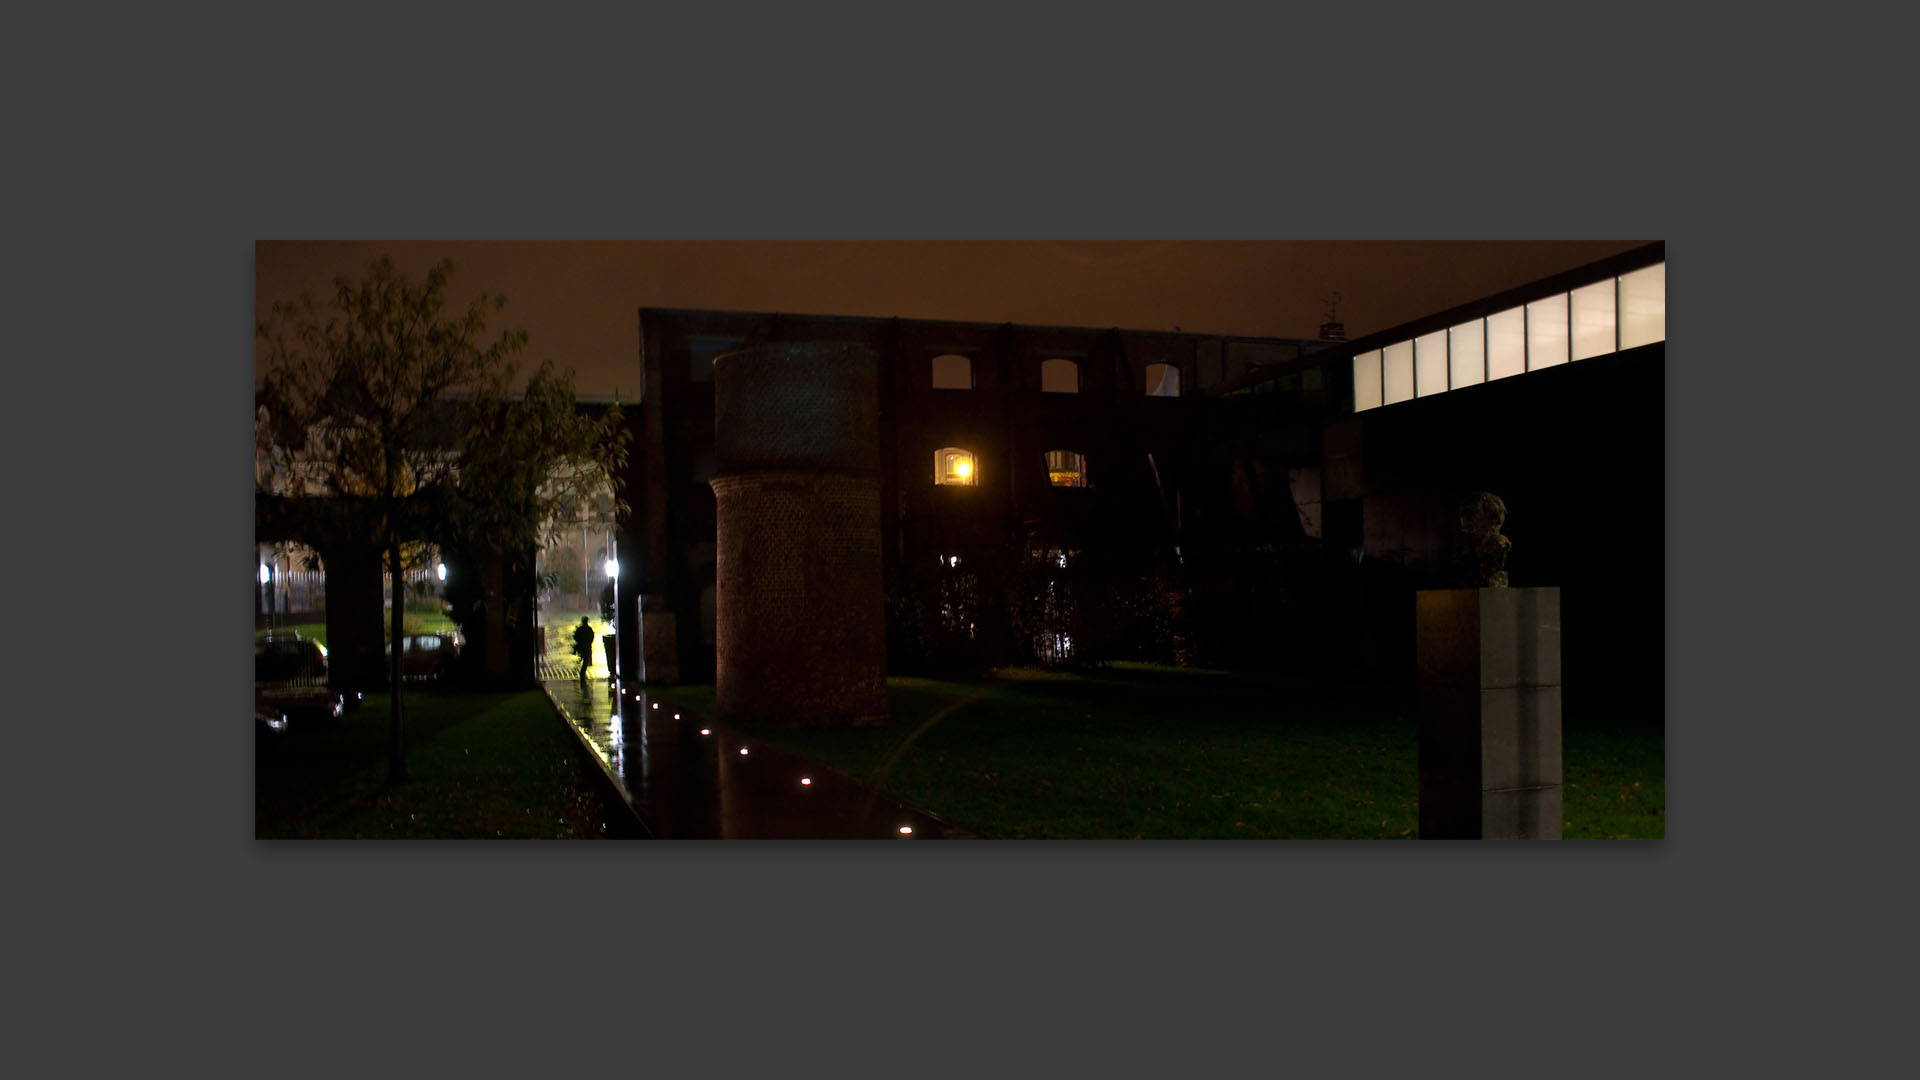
x=659, y=645
x=1489, y=664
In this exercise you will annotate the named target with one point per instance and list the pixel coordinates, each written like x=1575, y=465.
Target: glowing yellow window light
x=952, y=465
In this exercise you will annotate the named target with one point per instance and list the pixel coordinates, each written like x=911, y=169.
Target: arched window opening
x=1065, y=468
x=952, y=372
x=1163, y=380
x=1059, y=377
x=952, y=465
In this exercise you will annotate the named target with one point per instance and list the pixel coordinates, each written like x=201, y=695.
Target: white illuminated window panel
x=1399, y=380
x=1366, y=381
x=1643, y=306
x=1547, y=332
x=1593, y=320
x=1430, y=363
x=1469, y=353
x=1506, y=343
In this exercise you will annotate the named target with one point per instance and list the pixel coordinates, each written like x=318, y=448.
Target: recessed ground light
x=806, y=780
x=706, y=731
x=906, y=830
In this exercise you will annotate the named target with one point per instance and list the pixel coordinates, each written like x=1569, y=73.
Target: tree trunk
x=397, y=766
x=494, y=589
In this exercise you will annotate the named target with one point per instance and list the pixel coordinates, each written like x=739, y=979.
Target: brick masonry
x=800, y=625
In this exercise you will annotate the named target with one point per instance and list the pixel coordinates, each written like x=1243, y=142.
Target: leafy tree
x=538, y=466
x=397, y=413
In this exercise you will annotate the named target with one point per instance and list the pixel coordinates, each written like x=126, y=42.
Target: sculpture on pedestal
x=1482, y=551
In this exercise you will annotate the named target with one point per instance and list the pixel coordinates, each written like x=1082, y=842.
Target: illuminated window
x=1366, y=381
x=1467, y=352
x=1593, y=321
x=952, y=465
x=1547, y=332
x=1163, y=380
x=1643, y=306
x=952, y=372
x=1506, y=343
x=1059, y=377
x=1066, y=468
x=1430, y=363
x=1399, y=365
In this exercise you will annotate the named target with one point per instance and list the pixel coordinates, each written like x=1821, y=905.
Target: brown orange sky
x=579, y=301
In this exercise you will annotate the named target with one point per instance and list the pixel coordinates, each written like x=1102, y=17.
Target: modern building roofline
x=876, y=320
x=1612, y=266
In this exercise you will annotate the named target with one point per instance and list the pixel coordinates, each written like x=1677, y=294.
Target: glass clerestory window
x=1066, y=468
x=953, y=465
x=1601, y=317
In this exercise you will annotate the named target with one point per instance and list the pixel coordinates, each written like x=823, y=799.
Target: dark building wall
x=1275, y=485
x=1004, y=418
x=1577, y=453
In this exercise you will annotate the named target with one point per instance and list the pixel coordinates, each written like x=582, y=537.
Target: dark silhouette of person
x=583, y=645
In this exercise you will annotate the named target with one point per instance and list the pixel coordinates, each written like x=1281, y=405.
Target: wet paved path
x=689, y=778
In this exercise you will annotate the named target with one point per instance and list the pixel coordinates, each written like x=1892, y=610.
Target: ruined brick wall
x=800, y=625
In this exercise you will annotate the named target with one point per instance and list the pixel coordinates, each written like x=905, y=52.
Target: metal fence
x=304, y=591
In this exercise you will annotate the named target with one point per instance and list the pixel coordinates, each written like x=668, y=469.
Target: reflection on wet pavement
x=690, y=778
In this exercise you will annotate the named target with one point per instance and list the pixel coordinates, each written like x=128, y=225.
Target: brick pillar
x=800, y=625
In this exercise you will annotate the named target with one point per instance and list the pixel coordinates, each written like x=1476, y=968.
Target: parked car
x=427, y=656
x=302, y=709
x=282, y=656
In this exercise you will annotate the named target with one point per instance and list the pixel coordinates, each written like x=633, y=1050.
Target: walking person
x=583, y=645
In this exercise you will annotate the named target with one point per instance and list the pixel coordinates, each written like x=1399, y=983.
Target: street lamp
x=611, y=609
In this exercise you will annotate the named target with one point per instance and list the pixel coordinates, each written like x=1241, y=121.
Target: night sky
x=579, y=300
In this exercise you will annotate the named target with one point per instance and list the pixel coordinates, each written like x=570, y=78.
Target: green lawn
x=413, y=622
x=1159, y=752
x=479, y=764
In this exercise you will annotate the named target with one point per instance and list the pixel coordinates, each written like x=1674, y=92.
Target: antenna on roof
x=1333, y=329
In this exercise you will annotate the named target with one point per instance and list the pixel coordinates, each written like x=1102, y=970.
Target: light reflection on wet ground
x=689, y=778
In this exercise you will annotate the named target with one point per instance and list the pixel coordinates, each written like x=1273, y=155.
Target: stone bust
x=1482, y=551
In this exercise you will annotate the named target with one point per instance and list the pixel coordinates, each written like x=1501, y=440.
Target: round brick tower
x=799, y=619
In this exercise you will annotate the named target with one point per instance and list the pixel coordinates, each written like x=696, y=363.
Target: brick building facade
x=1294, y=525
